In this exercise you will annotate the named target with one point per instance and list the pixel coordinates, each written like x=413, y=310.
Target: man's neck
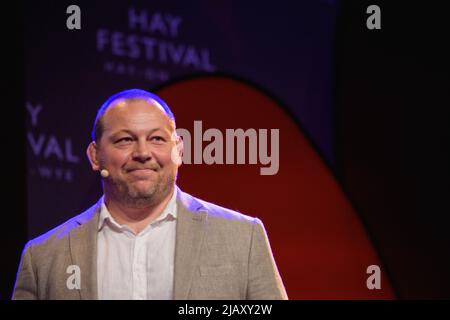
x=136, y=218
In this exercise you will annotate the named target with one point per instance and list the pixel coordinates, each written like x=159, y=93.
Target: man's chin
x=142, y=186
x=139, y=193
x=141, y=199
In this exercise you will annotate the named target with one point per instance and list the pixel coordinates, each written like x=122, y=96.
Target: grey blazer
x=219, y=254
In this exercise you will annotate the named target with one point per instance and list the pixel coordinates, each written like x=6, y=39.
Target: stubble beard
x=133, y=197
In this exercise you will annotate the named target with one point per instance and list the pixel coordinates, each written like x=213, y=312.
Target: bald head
x=121, y=100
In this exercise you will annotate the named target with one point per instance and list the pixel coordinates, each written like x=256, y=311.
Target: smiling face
x=137, y=147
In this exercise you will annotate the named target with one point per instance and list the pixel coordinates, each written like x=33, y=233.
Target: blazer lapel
x=83, y=249
x=190, y=229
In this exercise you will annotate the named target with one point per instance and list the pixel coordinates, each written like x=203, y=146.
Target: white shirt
x=136, y=267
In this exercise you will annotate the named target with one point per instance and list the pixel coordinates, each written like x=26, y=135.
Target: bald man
x=145, y=238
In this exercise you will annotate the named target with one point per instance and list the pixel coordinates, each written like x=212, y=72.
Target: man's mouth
x=141, y=173
x=142, y=169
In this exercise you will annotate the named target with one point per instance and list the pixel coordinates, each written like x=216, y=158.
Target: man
x=145, y=238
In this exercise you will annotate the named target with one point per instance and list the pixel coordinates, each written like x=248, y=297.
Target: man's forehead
x=123, y=103
x=118, y=112
x=123, y=108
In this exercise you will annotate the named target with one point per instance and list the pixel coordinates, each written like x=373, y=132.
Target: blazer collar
x=83, y=249
x=191, y=227
x=190, y=230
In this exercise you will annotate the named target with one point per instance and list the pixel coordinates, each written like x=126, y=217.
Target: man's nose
x=142, y=151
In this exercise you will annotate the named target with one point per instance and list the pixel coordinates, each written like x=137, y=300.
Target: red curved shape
x=321, y=248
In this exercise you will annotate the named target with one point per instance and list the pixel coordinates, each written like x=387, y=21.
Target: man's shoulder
x=225, y=224
x=62, y=231
x=221, y=213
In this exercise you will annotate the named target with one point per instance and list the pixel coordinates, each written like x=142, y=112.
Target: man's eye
x=126, y=139
x=157, y=139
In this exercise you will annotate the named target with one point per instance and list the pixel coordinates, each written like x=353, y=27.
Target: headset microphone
x=104, y=173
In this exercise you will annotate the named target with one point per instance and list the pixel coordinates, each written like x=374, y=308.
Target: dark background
x=392, y=139
x=376, y=113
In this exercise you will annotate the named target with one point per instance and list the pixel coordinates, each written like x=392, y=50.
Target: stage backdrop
x=220, y=66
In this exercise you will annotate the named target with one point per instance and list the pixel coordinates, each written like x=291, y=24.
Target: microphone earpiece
x=104, y=173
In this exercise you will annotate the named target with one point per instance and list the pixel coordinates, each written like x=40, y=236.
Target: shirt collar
x=170, y=211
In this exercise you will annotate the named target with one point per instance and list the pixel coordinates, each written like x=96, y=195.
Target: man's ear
x=180, y=148
x=92, y=155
